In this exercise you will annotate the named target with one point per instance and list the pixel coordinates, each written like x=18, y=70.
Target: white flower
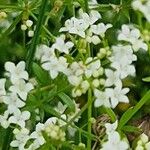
x=91, y=18
x=100, y=29
x=56, y=65
x=13, y=102
x=21, y=88
x=61, y=46
x=122, y=57
x=123, y=54
x=16, y=72
x=20, y=118
x=115, y=142
x=75, y=26
x=110, y=128
x=128, y=34
x=44, y=52
x=132, y=35
x=22, y=136
x=101, y=99
x=2, y=89
x=60, y=108
x=123, y=70
x=117, y=95
x=37, y=136
x=112, y=78
x=4, y=120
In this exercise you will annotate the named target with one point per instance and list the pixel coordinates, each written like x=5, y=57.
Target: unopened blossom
x=117, y=94
x=13, y=103
x=61, y=46
x=102, y=99
x=21, y=88
x=20, y=118
x=16, y=72
x=92, y=38
x=21, y=138
x=29, y=23
x=2, y=89
x=91, y=66
x=100, y=29
x=143, y=143
x=30, y=33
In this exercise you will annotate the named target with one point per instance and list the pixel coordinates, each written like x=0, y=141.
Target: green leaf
x=128, y=128
x=51, y=110
x=111, y=113
x=147, y=79
x=132, y=111
x=41, y=75
x=67, y=100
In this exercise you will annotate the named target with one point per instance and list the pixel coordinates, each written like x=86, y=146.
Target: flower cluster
x=24, y=137
x=27, y=25
x=143, y=142
x=16, y=95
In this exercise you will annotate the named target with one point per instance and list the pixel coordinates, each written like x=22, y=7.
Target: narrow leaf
x=67, y=100
x=41, y=75
x=132, y=111
x=147, y=79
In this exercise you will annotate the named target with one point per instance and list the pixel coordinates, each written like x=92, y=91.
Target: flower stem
x=35, y=39
x=89, y=117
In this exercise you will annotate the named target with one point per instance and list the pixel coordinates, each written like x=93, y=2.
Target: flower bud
x=29, y=23
x=30, y=33
x=95, y=83
x=23, y=27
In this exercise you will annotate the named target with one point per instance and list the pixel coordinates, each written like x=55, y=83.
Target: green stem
x=8, y=6
x=13, y=25
x=86, y=6
x=89, y=117
x=35, y=39
x=44, y=28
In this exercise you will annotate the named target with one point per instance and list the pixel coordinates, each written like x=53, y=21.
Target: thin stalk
x=35, y=39
x=89, y=141
x=13, y=25
x=86, y=6
x=44, y=28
